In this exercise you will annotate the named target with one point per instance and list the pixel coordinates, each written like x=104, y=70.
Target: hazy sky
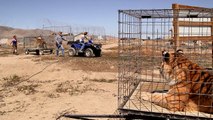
x=30, y=14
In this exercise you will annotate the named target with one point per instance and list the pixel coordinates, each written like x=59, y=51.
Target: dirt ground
x=44, y=87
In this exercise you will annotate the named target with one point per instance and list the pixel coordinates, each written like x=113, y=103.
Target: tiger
x=40, y=42
x=190, y=85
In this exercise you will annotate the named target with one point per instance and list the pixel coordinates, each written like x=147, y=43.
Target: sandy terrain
x=44, y=87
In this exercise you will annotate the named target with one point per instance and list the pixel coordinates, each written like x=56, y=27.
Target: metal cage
x=30, y=42
x=143, y=35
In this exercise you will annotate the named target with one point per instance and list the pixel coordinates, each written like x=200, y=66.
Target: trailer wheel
x=51, y=51
x=37, y=52
x=41, y=52
x=26, y=52
x=98, y=54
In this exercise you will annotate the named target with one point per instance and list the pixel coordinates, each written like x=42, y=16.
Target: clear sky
x=30, y=14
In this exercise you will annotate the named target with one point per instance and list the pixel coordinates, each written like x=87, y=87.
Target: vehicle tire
x=26, y=52
x=88, y=52
x=98, y=54
x=37, y=52
x=71, y=52
x=41, y=52
x=51, y=51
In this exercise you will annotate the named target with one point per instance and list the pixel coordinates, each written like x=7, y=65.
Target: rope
x=32, y=75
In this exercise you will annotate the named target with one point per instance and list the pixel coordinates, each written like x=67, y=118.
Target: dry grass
x=11, y=81
x=27, y=89
x=53, y=95
x=73, y=88
x=4, y=52
x=70, y=88
x=104, y=80
x=2, y=112
x=66, y=86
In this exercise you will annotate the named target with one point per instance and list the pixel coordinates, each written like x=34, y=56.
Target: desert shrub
x=104, y=80
x=27, y=89
x=73, y=88
x=67, y=86
x=11, y=81
x=53, y=95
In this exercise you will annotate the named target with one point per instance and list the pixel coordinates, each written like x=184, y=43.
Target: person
x=59, y=38
x=90, y=41
x=14, y=44
x=83, y=37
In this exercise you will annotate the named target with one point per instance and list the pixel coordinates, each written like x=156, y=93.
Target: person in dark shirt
x=14, y=44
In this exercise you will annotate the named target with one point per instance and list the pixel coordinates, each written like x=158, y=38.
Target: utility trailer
x=39, y=45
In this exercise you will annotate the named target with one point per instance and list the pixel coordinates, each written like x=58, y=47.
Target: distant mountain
x=8, y=32
x=5, y=28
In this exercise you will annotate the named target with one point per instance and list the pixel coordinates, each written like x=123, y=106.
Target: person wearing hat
x=59, y=46
x=14, y=44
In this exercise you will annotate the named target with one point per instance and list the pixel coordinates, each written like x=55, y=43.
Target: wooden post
x=175, y=8
x=212, y=39
x=177, y=24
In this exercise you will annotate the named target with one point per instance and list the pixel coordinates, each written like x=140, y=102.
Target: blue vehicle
x=90, y=49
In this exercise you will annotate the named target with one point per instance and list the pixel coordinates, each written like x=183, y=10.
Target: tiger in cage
x=190, y=86
x=40, y=42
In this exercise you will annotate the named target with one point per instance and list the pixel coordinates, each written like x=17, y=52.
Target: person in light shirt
x=59, y=46
x=82, y=41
